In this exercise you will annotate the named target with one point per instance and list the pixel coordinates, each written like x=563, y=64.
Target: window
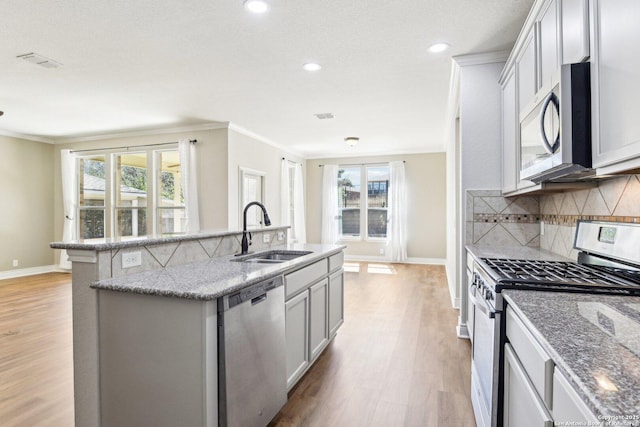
x=91, y=203
x=359, y=211
x=130, y=194
x=252, y=184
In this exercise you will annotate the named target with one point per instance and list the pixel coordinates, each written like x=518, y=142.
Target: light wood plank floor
x=395, y=362
x=36, y=351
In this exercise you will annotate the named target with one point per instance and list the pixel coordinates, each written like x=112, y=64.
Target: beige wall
x=26, y=228
x=247, y=152
x=427, y=205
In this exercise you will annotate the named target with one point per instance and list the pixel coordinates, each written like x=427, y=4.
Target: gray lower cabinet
x=314, y=312
x=522, y=405
x=336, y=302
x=297, y=336
x=158, y=361
x=318, y=314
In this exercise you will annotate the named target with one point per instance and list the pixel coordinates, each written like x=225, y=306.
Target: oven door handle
x=480, y=303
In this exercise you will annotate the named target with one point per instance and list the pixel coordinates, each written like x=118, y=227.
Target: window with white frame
x=363, y=208
x=131, y=194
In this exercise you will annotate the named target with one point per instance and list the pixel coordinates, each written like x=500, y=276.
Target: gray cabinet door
x=522, y=405
x=336, y=302
x=615, y=72
x=297, y=336
x=318, y=320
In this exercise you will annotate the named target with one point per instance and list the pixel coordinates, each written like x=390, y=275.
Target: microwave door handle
x=551, y=98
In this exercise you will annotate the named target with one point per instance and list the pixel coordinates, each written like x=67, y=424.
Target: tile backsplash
x=495, y=220
x=614, y=199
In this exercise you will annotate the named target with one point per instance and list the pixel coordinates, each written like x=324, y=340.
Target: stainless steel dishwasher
x=252, y=378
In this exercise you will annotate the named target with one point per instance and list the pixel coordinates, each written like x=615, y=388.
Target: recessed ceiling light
x=256, y=6
x=438, y=47
x=311, y=66
x=324, y=116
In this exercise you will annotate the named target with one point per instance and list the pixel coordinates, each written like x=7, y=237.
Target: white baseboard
x=10, y=274
x=410, y=260
x=462, y=331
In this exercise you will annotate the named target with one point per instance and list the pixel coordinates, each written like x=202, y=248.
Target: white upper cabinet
x=527, y=72
x=575, y=30
x=615, y=87
x=548, y=42
x=509, y=133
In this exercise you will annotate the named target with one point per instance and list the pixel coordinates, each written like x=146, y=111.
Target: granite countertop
x=213, y=278
x=514, y=252
x=128, y=242
x=594, y=340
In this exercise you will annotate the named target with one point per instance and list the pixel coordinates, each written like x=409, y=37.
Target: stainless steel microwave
x=555, y=134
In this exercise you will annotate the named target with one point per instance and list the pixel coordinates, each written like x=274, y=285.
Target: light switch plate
x=131, y=259
x=265, y=238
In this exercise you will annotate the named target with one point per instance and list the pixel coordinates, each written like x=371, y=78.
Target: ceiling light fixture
x=256, y=6
x=311, y=66
x=438, y=47
x=351, y=140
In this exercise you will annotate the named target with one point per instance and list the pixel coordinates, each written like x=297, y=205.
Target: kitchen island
x=145, y=320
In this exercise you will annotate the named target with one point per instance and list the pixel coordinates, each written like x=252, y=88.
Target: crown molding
x=375, y=154
x=258, y=137
x=144, y=132
x=27, y=137
x=481, y=58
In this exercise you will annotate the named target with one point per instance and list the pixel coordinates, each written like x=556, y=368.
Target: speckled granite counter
x=215, y=277
x=594, y=340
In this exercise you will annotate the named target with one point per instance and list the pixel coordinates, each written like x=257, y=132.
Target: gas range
x=608, y=262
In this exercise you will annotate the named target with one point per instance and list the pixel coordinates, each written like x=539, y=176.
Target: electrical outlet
x=15, y=263
x=131, y=259
x=381, y=251
x=280, y=235
x=265, y=238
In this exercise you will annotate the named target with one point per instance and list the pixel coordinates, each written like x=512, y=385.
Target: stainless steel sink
x=271, y=257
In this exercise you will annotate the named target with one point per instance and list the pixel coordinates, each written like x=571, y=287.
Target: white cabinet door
x=522, y=405
x=549, y=46
x=615, y=73
x=336, y=302
x=568, y=407
x=297, y=336
x=526, y=72
x=510, y=140
x=575, y=30
x=318, y=321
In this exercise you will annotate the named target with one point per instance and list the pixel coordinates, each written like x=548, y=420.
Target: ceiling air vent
x=324, y=116
x=40, y=60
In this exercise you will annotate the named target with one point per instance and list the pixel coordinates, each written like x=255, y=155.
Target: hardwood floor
x=36, y=360
x=396, y=361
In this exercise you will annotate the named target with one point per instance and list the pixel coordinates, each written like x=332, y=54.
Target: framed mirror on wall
x=252, y=189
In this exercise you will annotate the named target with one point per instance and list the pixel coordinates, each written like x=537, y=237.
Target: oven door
x=485, y=366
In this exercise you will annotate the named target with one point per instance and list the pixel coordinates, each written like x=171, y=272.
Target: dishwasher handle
x=259, y=299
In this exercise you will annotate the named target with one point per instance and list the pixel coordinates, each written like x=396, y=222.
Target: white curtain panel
x=397, y=213
x=284, y=193
x=69, y=201
x=300, y=225
x=189, y=182
x=330, y=213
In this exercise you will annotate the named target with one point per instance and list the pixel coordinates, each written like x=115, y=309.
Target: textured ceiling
x=165, y=63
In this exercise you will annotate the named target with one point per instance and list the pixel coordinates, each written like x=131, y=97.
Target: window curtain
x=284, y=193
x=189, y=182
x=69, y=201
x=330, y=212
x=397, y=213
x=300, y=226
